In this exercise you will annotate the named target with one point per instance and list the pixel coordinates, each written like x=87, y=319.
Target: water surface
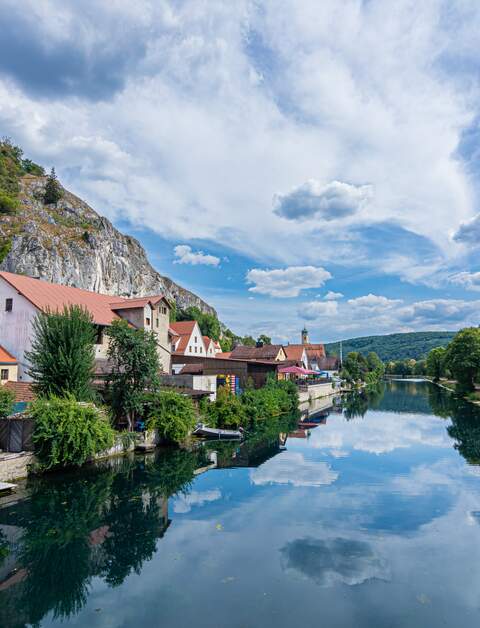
x=371, y=520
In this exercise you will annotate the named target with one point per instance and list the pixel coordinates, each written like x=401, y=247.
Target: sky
x=291, y=162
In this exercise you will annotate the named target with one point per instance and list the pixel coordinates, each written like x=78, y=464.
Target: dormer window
x=8, y=305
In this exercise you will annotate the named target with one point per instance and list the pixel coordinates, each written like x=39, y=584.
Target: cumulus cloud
x=333, y=296
x=185, y=255
x=468, y=280
x=317, y=309
x=330, y=202
x=373, y=302
x=292, y=468
x=287, y=282
x=331, y=561
x=443, y=311
x=469, y=232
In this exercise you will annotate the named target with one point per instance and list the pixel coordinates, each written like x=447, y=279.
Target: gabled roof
x=125, y=304
x=50, y=296
x=23, y=391
x=6, y=357
x=207, y=341
x=315, y=351
x=183, y=327
x=266, y=352
x=294, y=352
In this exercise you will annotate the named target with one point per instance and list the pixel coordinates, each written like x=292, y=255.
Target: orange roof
x=183, y=327
x=207, y=341
x=6, y=357
x=315, y=351
x=23, y=391
x=49, y=296
x=124, y=304
x=223, y=354
x=294, y=352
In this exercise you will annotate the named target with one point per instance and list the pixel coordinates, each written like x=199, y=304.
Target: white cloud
x=469, y=232
x=331, y=201
x=468, y=280
x=292, y=468
x=333, y=296
x=184, y=503
x=189, y=109
x=287, y=282
x=185, y=255
x=317, y=309
x=373, y=302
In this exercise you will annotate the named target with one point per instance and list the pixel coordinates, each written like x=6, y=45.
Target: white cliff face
x=71, y=244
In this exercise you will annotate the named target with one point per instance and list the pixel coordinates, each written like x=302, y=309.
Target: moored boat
x=213, y=433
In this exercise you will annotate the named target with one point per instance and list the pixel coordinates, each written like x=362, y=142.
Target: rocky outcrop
x=71, y=244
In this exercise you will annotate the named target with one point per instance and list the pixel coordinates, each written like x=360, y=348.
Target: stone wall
x=15, y=466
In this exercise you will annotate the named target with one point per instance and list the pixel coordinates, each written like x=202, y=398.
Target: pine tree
x=53, y=192
x=62, y=359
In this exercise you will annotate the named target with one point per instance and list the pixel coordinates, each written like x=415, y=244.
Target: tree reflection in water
x=105, y=523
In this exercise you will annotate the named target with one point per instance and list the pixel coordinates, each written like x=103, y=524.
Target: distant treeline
x=392, y=347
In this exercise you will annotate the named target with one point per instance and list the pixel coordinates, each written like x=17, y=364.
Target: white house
x=22, y=298
x=187, y=339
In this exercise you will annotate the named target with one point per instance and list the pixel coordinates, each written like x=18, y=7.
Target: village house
x=23, y=298
x=268, y=353
x=8, y=367
x=187, y=339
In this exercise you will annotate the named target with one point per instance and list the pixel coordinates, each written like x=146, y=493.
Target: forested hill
x=414, y=345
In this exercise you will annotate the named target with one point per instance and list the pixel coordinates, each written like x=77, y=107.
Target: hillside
x=69, y=243
x=414, y=345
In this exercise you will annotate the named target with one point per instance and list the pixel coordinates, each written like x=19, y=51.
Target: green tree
x=135, y=368
x=7, y=402
x=249, y=341
x=462, y=358
x=266, y=340
x=62, y=359
x=435, y=363
x=53, y=191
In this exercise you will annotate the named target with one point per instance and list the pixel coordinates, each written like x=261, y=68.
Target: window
x=201, y=350
x=157, y=322
x=4, y=374
x=164, y=310
x=190, y=349
x=195, y=339
x=147, y=321
x=8, y=305
x=99, y=338
x=195, y=349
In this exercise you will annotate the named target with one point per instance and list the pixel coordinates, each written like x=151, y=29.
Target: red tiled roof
x=294, y=352
x=192, y=369
x=315, y=351
x=6, y=357
x=23, y=391
x=125, y=304
x=223, y=354
x=267, y=352
x=183, y=327
x=49, y=296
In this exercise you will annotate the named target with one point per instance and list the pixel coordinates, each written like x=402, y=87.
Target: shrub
x=68, y=432
x=227, y=411
x=7, y=402
x=8, y=204
x=62, y=358
x=171, y=413
x=5, y=248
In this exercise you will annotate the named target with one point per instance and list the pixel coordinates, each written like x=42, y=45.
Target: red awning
x=296, y=370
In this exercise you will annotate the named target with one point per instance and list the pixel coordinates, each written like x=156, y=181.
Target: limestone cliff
x=71, y=244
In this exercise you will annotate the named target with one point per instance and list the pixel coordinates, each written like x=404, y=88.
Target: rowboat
x=215, y=434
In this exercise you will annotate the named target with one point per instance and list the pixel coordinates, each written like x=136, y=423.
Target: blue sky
x=290, y=162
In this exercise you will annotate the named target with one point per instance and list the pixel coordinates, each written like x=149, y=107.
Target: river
x=370, y=519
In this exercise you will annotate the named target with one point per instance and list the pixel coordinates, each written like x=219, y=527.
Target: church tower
x=305, y=340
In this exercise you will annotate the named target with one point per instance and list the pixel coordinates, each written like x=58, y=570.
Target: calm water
x=374, y=520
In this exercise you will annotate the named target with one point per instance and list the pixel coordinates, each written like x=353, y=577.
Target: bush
x=68, y=432
x=227, y=411
x=8, y=204
x=171, y=413
x=7, y=402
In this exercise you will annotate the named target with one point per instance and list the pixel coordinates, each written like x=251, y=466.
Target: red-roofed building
x=188, y=339
x=22, y=298
x=8, y=366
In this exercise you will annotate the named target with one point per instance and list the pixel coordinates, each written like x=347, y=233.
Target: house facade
x=8, y=367
x=269, y=353
x=23, y=298
x=187, y=339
